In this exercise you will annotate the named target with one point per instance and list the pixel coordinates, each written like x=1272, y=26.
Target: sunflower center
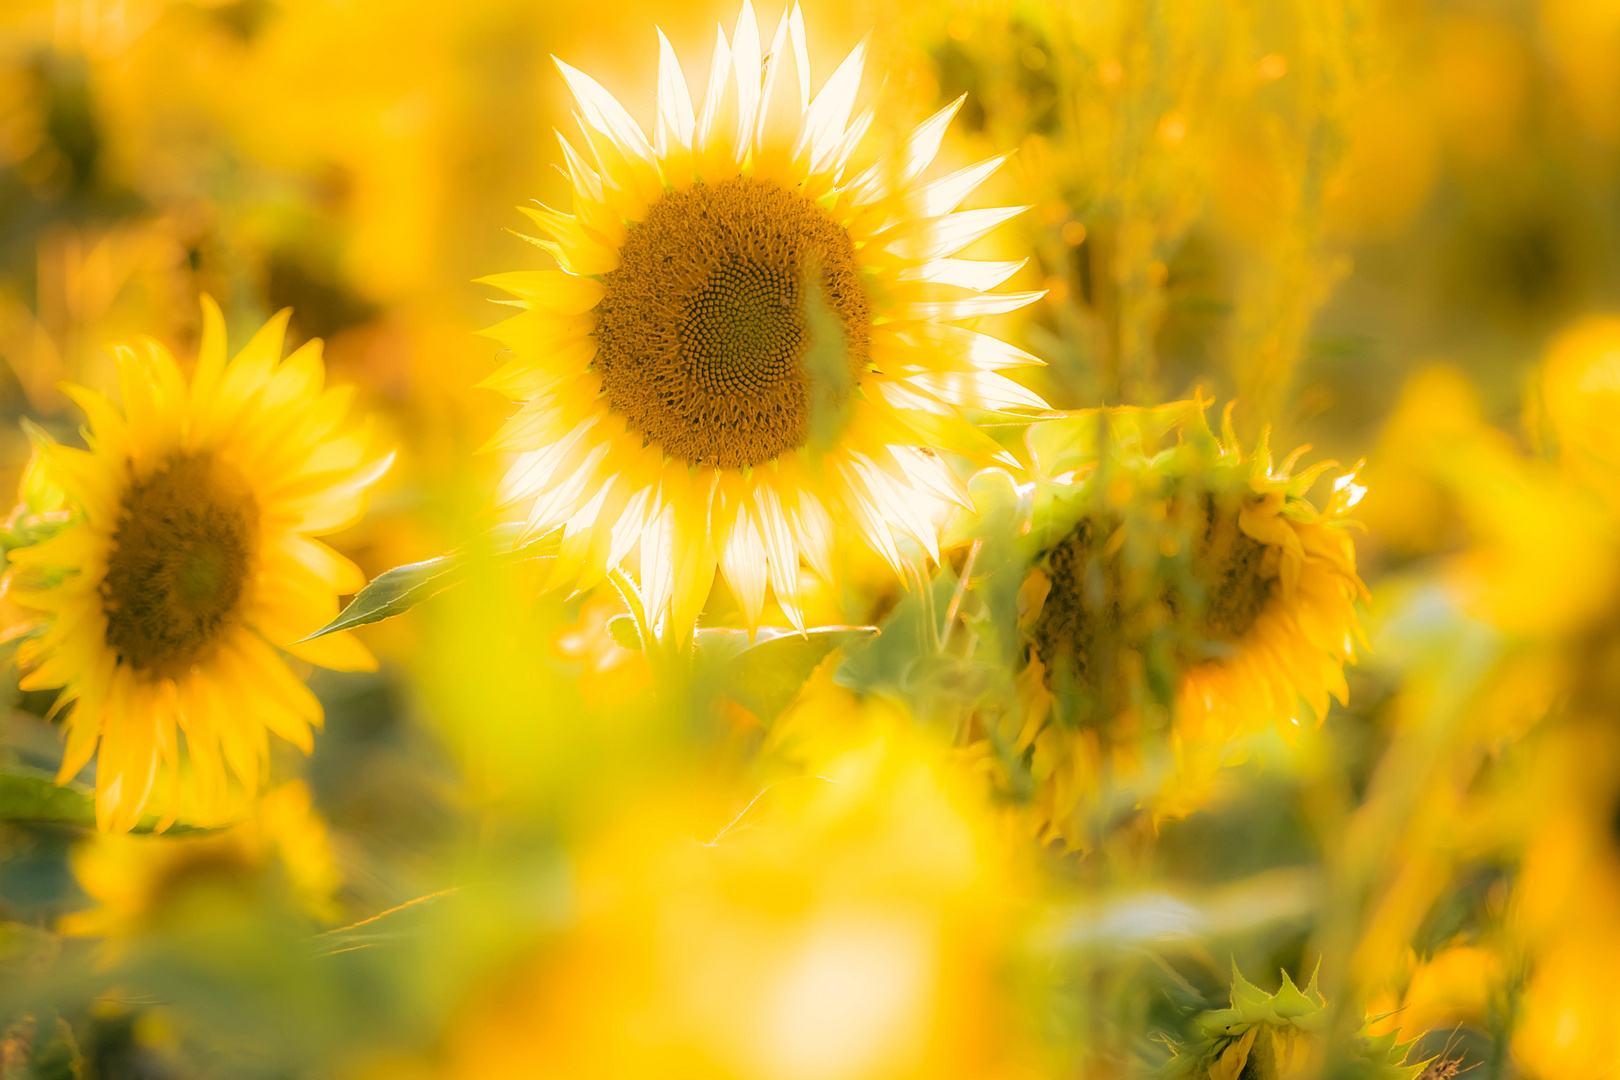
x=179, y=565
x=1082, y=607
x=1231, y=564
x=1111, y=593
x=705, y=330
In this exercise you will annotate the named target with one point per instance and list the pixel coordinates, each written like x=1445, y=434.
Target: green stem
x=961, y=591
x=925, y=587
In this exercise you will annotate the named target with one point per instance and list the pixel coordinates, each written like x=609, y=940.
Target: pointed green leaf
x=766, y=676
x=402, y=588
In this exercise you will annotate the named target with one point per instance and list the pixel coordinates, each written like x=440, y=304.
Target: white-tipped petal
x=980, y=389
x=935, y=238
x=781, y=551
x=828, y=115
x=964, y=273
x=781, y=104
x=907, y=163
x=742, y=560
x=746, y=65
x=603, y=112
x=711, y=118
x=946, y=194
x=675, y=119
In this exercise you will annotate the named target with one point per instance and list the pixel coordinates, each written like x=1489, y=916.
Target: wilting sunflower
x=1185, y=594
x=746, y=352
x=187, y=562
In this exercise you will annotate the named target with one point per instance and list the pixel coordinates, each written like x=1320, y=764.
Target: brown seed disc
x=1230, y=562
x=1096, y=607
x=179, y=564
x=702, y=331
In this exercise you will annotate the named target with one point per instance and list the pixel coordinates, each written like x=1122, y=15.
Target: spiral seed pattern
x=180, y=561
x=701, y=333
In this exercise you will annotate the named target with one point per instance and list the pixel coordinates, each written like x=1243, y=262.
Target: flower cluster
x=827, y=628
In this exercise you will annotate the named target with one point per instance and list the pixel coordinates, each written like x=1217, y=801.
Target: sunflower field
x=986, y=539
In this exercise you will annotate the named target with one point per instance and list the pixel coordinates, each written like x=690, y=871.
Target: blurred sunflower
x=1283, y=1035
x=839, y=923
x=140, y=882
x=189, y=560
x=743, y=351
x=1183, y=586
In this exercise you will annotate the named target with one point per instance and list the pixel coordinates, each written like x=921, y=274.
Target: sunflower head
x=141, y=883
x=1183, y=593
x=1281, y=1036
x=183, y=559
x=747, y=349
x=1579, y=389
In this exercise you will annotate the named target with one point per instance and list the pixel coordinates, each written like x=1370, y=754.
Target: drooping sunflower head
x=1183, y=593
x=185, y=560
x=743, y=351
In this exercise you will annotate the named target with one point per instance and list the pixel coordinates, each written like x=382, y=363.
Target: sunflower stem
x=925, y=590
x=961, y=591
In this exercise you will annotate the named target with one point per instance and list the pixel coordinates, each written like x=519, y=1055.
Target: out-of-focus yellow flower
x=843, y=923
x=1582, y=37
x=746, y=355
x=1455, y=986
x=1566, y=907
x=1480, y=80
x=1580, y=392
x=1175, y=561
x=1390, y=168
x=140, y=883
x=1527, y=549
x=609, y=672
x=189, y=559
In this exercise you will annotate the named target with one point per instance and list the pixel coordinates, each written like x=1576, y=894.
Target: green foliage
x=396, y=591
x=766, y=675
x=33, y=796
x=1281, y=1035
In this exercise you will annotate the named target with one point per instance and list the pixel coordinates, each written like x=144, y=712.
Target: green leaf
x=884, y=663
x=55, y=1053
x=402, y=588
x=622, y=629
x=766, y=676
x=30, y=796
x=33, y=796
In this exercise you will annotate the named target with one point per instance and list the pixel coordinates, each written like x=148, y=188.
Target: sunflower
x=140, y=883
x=187, y=562
x=745, y=351
x=1184, y=594
x=1282, y=1036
